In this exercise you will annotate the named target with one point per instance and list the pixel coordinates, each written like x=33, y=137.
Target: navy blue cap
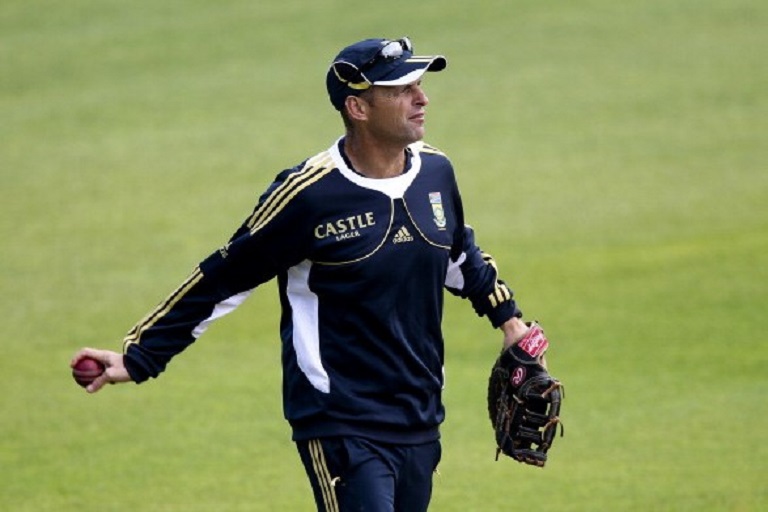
x=381, y=62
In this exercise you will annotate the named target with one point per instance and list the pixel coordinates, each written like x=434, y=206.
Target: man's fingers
x=90, y=353
x=98, y=383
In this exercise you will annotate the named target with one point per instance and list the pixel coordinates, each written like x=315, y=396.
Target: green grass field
x=613, y=158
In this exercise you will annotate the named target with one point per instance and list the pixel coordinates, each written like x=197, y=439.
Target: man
x=363, y=239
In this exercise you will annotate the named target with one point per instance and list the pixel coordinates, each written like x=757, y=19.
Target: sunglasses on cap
x=354, y=76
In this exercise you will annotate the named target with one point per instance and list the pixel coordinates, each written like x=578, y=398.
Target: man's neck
x=375, y=161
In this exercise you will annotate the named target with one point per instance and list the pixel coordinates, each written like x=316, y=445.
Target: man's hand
x=114, y=367
x=514, y=330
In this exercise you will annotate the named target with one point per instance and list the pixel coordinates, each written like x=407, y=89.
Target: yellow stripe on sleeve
x=135, y=334
x=313, y=170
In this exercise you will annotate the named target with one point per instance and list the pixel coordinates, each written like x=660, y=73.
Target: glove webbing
x=527, y=434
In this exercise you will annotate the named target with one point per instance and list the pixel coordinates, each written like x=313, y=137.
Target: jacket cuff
x=136, y=365
x=503, y=312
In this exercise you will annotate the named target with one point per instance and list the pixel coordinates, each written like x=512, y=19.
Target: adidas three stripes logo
x=402, y=236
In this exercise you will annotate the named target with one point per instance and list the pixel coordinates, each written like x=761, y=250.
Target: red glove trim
x=534, y=343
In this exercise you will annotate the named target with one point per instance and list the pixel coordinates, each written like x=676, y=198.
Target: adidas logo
x=402, y=236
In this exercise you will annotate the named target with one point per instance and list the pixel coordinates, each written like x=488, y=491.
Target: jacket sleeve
x=472, y=274
x=267, y=243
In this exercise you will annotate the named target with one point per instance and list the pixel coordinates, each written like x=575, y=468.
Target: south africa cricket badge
x=436, y=200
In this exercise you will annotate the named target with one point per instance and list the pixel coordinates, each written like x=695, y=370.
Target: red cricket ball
x=86, y=370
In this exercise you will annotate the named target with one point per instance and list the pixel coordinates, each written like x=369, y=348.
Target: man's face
x=396, y=114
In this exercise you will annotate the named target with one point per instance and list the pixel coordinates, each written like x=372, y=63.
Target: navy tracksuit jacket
x=362, y=265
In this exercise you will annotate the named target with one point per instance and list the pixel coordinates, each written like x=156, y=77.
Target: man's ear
x=357, y=108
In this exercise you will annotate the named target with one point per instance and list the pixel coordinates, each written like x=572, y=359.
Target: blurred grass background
x=612, y=157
